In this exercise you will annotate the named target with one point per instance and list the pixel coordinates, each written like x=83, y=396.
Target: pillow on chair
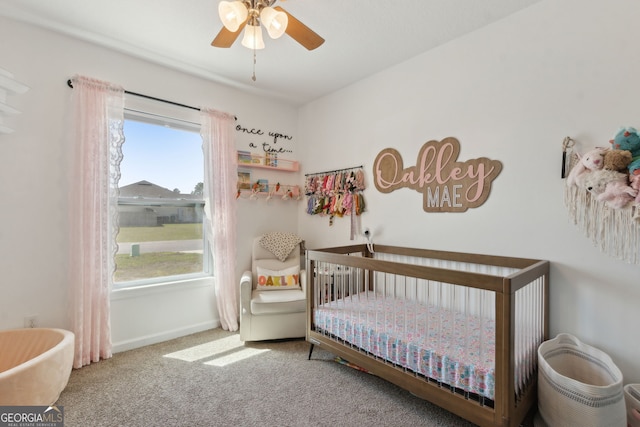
x=280, y=244
x=271, y=280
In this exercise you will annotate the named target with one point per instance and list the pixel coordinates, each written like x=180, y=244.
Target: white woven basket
x=578, y=385
x=632, y=397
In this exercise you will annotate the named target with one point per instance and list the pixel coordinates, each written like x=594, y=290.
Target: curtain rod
x=334, y=171
x=70, y=84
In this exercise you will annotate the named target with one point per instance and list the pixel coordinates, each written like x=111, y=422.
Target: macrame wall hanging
x=602, y=197
x=337, y=193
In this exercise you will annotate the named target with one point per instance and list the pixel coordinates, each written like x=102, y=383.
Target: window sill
x=156, y=288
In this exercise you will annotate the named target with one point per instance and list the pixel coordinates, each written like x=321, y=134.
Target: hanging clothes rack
x=334, y=171
x=337, y=193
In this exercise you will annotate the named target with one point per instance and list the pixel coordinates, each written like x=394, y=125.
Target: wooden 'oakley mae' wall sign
x=447, y=184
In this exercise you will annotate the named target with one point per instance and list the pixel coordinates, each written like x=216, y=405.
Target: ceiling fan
x=249, y=14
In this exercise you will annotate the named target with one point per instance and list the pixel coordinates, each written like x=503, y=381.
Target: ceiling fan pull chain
x=254, y=66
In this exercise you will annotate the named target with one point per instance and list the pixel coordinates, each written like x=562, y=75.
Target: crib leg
x=310, y=350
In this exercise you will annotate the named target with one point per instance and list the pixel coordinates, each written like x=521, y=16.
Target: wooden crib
x=459, y=330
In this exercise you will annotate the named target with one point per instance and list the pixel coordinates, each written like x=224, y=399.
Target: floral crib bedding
x=445, y=345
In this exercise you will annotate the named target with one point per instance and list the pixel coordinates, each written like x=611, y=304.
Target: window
x=160, y=205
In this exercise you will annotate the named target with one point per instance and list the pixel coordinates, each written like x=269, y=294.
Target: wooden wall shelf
x=248, y=160
x=285, y=192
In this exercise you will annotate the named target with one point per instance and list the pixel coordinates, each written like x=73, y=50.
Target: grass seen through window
x=161, y=232
x=157, y=264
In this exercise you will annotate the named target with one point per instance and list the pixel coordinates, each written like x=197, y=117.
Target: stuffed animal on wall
x=634, y=167
x=591, y=161
x=634, y=179
x=617, y=160
x=628, y=139
x=634, y=182
x=610, y=187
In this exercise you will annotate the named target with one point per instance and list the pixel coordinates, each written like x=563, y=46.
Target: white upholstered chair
x=273, y=294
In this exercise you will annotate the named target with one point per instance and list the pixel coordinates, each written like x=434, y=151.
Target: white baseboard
x=163, y=336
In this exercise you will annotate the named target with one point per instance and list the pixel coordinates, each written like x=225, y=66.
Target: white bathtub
x=35, y=365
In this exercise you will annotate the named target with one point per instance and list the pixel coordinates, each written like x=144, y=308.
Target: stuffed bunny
x=591, y=161
x=610, y=187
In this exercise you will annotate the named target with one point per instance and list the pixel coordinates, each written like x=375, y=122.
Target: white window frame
x=183, y=122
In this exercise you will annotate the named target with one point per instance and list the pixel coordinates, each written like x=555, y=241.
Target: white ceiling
x=362, y=37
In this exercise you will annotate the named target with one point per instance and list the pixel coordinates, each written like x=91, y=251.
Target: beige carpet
x=213, y=379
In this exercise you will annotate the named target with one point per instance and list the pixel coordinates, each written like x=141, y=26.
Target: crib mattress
x=446, y=345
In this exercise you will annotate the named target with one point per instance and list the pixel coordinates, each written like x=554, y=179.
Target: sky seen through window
x=170, y=158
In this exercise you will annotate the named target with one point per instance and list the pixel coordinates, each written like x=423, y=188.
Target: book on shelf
x=263, y=185
x=271, y=159
x=244, y=157
x=244, y=180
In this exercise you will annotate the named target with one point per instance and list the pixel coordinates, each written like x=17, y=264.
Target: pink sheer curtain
x=97, y=138
x=220, y=180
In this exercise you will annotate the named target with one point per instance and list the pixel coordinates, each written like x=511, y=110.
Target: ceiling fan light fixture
x=232, y=14
x=253, y=37
x=274, y=21
x=237, y=15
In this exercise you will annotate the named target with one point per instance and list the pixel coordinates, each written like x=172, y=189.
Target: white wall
x=33, y=186
x=510, y=92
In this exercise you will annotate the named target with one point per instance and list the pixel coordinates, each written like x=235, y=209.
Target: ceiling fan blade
x=225, y=38
x=300, y=32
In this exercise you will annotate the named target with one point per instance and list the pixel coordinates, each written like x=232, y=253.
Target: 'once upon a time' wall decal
x=268, y=147
x=447, y=185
